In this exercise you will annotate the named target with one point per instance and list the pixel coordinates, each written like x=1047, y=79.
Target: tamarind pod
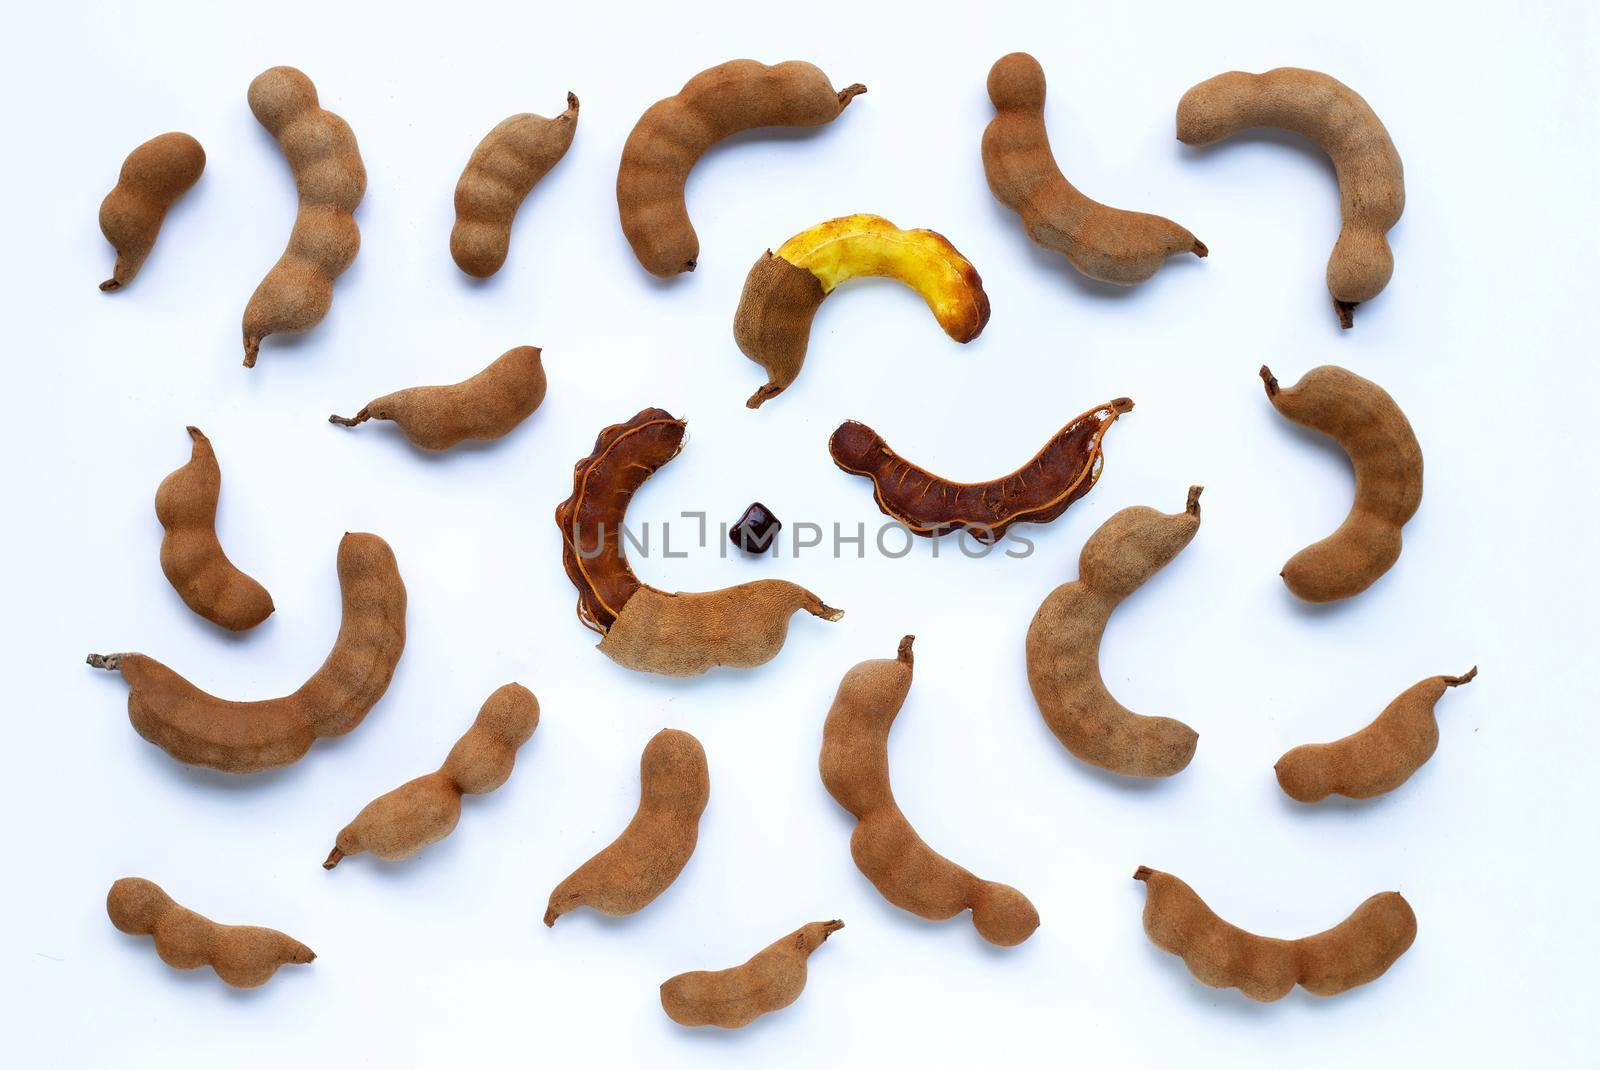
x=245, y=737
x=153, y=176
x=673, y=133
x=244, y=956
x=772, y=979
x=1357, y=950
x=484, y=407
x=1059, y=474
x=641, y=863
x=192, y=557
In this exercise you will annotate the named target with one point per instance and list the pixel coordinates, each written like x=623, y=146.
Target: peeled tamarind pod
x=244, y=956
x=887, y=850
x=484, y=407
x=1064, y=646
x=674, y=133
x=1104, y=243
x=783, y=291
x=1376, y=759
x=330, y=179
x=1367, y=424
x=401, y=823
x=503, y=169
x=771, y=980
x=153, y=176
x=191, y=556
x=247, y=737
x=1357, y=950
x=640, y=864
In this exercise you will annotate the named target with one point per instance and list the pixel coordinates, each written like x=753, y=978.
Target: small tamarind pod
x=772, y=979
x=905, y=870
x=1064, y=646
x=400, y=823
x=1104, y=243
x=1357, y=950
x=192, y=558
x=330, y=179
x=244, y=956
x=672, y=134
x=503, y=169
x=246, y=737
x=1364, y=420
x=1377, y=758
x=640, y=864
x=153, y=176
x=484, y=407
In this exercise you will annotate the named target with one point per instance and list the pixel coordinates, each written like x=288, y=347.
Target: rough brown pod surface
x=1379, y=757
x=1357, y=950
x=484, y=407
x=1104, y=243
x=1372, y=187
x=887, y=850
x=771, y=980
x=153, y=176
x=502, y=171
x=246, y=737
x=242, y=955
x=673, y=133
x=1041, y=490
x=1364, y=420
x=1064, y=646
x=640, y=864
x=192, y=558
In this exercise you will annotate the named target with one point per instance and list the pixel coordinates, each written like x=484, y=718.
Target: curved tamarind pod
x=1357, y=950
x=905, y=870
x=1372, y=185
x=484, y=407
x=399, y=824
x=192, y=558
x=330, y=180
x=670, y=137
x=153, y=176
x=1376, y=759
x=783, y=291
x=772, y=979
x=502, y=171
x=242, y=955
x=245, y=737
x=640, y=864
x=1059, y=474
x=1104, y=243
x=1064, y=646
x=1367, y=424
x=647, y=629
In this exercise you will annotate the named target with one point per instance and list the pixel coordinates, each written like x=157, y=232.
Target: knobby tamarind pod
x=771, y=980
x=640, y=864
x=330, y=179
x=192, y=558
x=503, y=169
x=484, y=407
x=242, y=955
x=1059, y=474
x=1376, y=759
x=887, y=850
x=1357, y=950
x=1372, y=186
x=1367, y=424
x=1064, y=646
x=1104, y=243
x=673, y=133
x=153, y=176
x=245, y=737
x=399, y=824
x=783, y=291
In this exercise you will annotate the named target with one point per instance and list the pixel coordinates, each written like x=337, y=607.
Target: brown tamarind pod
x=244, y=956
x=153, y=177
x=772, y=979
x=484, y=407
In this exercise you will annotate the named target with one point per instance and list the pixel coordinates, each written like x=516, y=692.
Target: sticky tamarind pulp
x=771, y=980
x=484, y=407
x=153, y=176
x=244, y=956
x=503, y=169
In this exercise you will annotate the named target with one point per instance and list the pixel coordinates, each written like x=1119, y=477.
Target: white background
x=1485, y=337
